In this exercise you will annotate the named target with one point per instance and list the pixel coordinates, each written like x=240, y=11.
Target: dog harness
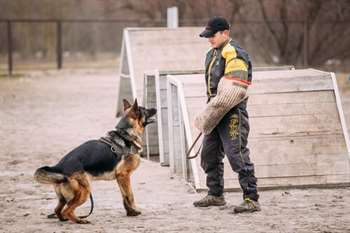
x=120, y=142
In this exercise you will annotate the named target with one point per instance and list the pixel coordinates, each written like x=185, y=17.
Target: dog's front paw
x=52, y=216
x=82, y=221
x=133, y=212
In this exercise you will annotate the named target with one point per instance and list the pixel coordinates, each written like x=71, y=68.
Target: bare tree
x=313, y=30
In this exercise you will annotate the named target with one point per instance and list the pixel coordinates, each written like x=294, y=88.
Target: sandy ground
x=45, y=115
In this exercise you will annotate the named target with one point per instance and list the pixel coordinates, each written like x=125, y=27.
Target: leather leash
x=191, y=148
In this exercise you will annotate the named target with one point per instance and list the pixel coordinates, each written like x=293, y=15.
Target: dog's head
x=135, y=118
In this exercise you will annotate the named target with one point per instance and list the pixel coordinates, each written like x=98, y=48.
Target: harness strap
x=120, y=145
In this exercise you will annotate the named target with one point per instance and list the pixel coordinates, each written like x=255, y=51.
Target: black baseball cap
x=214, y=25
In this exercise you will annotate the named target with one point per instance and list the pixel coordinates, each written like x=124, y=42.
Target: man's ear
x=226, y=33
x=126, y=104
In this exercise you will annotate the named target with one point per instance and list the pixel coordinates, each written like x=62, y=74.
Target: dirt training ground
x=45, y=115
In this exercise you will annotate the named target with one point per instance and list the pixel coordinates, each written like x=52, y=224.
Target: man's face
x=218, y=39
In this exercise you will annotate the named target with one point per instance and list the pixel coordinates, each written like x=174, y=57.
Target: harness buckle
x=113, y=149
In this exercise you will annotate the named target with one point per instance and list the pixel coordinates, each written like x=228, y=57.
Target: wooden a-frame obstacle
x=298, y=133
x=145, y=49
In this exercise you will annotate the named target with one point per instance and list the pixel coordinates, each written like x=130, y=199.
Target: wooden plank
x=269, y=68
x=270, y=74
x=293, y=109
x=266, y=179
x=294, y=125
x=283, y=104
x=162, y=81
x=197, y=89
x=194, y=91
x=285, y=126
x=182, y=155
x=321, y=181
x=289, y=74
x=165, y=134
x=291, y=98
x=161, y=93
x=172, y=128
x=297, y=149
x=294, y=85
x=151, y=131
x=341, y=114
x=176, y=139
x=274, y=81
x=301, y=169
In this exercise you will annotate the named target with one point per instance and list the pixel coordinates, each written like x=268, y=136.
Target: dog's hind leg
x=61, y=203
x=58, y=210
x=124, y=170
x=80, y=186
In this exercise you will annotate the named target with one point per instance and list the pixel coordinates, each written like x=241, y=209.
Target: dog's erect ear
x=135, y=108
x=135, y=104
x=126, y=104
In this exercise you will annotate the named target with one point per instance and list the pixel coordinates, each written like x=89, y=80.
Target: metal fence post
x=306, y=42
x=10, y=49
x=172, y=17
x=59, y=44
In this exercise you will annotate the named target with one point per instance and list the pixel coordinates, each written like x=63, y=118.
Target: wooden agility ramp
x=298, y=134
x=145, y=49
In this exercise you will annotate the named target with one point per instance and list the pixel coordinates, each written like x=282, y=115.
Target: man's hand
x=196, y=122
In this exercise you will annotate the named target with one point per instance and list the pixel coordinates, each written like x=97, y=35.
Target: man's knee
x=211, y=157
x=211, y=164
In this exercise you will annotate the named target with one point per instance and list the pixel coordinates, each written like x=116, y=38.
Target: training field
x=44, y=115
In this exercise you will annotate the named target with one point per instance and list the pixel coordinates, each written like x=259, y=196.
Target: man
x=227, y=60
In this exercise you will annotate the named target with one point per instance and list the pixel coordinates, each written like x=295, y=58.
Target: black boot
x=210, y=200
x=247, y=206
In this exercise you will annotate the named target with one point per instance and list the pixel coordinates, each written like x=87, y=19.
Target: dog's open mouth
x=151, y=120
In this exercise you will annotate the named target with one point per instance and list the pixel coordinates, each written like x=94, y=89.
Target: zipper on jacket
x=209, y=71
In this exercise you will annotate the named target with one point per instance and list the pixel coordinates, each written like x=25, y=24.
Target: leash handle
x=191, y=148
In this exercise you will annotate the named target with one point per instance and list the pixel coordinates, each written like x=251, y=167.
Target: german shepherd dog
x=115, y=156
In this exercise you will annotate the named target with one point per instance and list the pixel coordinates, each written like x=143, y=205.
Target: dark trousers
x=229, y=137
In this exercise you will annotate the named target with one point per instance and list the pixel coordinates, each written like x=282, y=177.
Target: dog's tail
x=49, y=175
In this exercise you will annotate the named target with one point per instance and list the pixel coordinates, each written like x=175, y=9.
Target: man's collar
x=224, y=44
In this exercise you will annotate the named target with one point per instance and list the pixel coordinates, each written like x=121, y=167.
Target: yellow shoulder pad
x=228, y=52
x=232, y=62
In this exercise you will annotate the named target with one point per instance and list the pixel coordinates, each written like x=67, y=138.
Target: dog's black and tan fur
x=94, y=159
